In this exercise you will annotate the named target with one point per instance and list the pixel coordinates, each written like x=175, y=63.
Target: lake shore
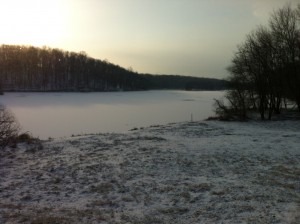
x=193, y=172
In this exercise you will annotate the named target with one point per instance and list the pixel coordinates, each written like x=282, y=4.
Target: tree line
x=28, y=68
x=265, y=69
x=184, y=82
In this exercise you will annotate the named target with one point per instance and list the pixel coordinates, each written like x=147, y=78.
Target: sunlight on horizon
x=33, y=22
x=195, y=37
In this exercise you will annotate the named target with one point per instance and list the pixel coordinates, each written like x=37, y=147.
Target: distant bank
x=28, y=68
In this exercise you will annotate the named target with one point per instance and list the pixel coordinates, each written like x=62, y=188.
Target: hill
x=28, y=68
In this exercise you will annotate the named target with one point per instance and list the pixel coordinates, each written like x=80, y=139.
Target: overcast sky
x=186, y=37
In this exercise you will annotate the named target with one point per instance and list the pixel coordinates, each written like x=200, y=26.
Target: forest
x=29, y=68
x=265, y=69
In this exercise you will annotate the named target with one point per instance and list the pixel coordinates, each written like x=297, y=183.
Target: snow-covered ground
x=196, y=172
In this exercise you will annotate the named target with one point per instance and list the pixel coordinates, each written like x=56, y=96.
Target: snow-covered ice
x=56, y=115
x=194, y=172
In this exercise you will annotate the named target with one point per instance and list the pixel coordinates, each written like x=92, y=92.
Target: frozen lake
x=63, y=114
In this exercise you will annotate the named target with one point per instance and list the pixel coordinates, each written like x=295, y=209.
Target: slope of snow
x=196, y=172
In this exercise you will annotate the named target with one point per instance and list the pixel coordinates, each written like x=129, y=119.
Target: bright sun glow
x=32, y=22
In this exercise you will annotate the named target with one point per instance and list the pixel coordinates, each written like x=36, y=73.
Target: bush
x=25, y=137
x=9, y=127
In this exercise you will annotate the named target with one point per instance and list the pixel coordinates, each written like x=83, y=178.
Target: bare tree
x=9, y=127
x=1, y=91
x=265, y=71
x=285, y=30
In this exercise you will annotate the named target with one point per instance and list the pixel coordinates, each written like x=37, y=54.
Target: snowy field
x=195, y=172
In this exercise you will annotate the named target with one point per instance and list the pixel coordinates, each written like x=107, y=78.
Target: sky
x=184, y=37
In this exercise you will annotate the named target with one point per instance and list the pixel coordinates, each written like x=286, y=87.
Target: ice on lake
x=63, y=114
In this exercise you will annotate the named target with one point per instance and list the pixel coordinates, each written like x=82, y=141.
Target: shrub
x=9, y=127
x=25, y=137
